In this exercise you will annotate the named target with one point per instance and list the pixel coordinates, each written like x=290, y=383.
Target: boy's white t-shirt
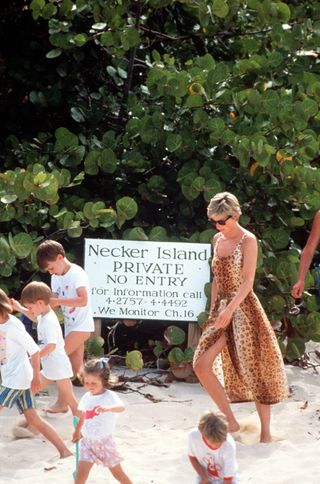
x=218, y=463
x=75, y=318
x=15, y=345
x=98, y=426
x=56, y=365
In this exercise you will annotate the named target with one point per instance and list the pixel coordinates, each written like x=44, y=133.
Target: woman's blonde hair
x=223, y=203
x=213, y=427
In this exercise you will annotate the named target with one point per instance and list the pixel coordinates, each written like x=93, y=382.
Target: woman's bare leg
x=203, y=370
x=74, y=346
x=264, y=412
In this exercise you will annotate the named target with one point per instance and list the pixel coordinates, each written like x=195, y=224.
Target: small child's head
x=213, y=427
x=36, y=297
x=5, y=305
x=96, y=375
x=50, y=256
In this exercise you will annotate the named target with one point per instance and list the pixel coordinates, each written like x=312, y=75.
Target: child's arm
x=16, y=306
x=109, y=408
x=35, y=363
x=199, y=470
x=79, y=301
x=77, y=433
x=46, y=350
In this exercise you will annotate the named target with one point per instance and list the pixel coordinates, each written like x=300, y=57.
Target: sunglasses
x=220, y=222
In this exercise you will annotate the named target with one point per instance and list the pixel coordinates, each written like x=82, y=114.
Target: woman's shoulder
x=215, y=238
x=248, y=239
x=248, y=235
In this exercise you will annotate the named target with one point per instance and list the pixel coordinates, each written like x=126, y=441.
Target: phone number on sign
x=123, y=301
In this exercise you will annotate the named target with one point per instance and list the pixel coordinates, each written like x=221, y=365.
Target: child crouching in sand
x=212, y=451
x=99, y=407
x=21, y=377
x=56, y=366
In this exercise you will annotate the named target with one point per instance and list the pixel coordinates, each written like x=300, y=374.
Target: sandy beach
x=152, y=437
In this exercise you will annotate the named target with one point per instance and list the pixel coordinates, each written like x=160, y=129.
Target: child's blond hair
x=213, y=427
x=34, y=291
x=5, y=305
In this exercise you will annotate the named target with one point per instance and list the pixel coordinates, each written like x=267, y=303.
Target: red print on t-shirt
x=213, y=468
x=91, y=413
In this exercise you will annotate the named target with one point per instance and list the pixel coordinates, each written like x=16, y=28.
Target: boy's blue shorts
x=24, y=399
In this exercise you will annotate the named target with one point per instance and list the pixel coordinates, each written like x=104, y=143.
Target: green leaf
x=127, y=208
x=174, y=335
x=194, y=101
x=136, y=234
x=174, y=142
x=77, y=114
x=9, y=198
x=220, y=8
x=22, y=245
x=158, y=234
x=65, y=139
x=52, y=54
x=175, y=356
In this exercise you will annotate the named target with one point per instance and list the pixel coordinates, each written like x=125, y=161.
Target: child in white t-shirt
x=21, y=377
x=212, y=451
x=70, y=287
x=99, y=407
x=56, y=366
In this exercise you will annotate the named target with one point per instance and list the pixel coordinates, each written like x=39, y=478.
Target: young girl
x=96, y=426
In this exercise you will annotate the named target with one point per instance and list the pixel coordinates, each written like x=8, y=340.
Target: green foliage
x=122, y=119
x=173, y=336
x=94, y=346
x=134, y=360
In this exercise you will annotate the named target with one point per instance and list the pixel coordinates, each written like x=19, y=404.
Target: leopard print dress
x=250, y=367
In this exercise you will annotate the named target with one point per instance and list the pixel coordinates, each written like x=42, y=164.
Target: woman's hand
x=223, y=318
x=297, y=290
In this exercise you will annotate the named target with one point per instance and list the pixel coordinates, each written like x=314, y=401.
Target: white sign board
x=147, y=280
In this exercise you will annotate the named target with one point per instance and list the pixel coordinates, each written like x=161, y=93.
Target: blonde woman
x=238, y=336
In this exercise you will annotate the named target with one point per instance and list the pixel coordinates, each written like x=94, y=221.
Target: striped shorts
x=9, y=397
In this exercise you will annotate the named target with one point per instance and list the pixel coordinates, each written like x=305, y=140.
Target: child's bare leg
x=83, y=472
x=264, y=412
x=74, y=346
x=66, y=393
x=119, y=474
x=203, y=370
x=35, y=421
